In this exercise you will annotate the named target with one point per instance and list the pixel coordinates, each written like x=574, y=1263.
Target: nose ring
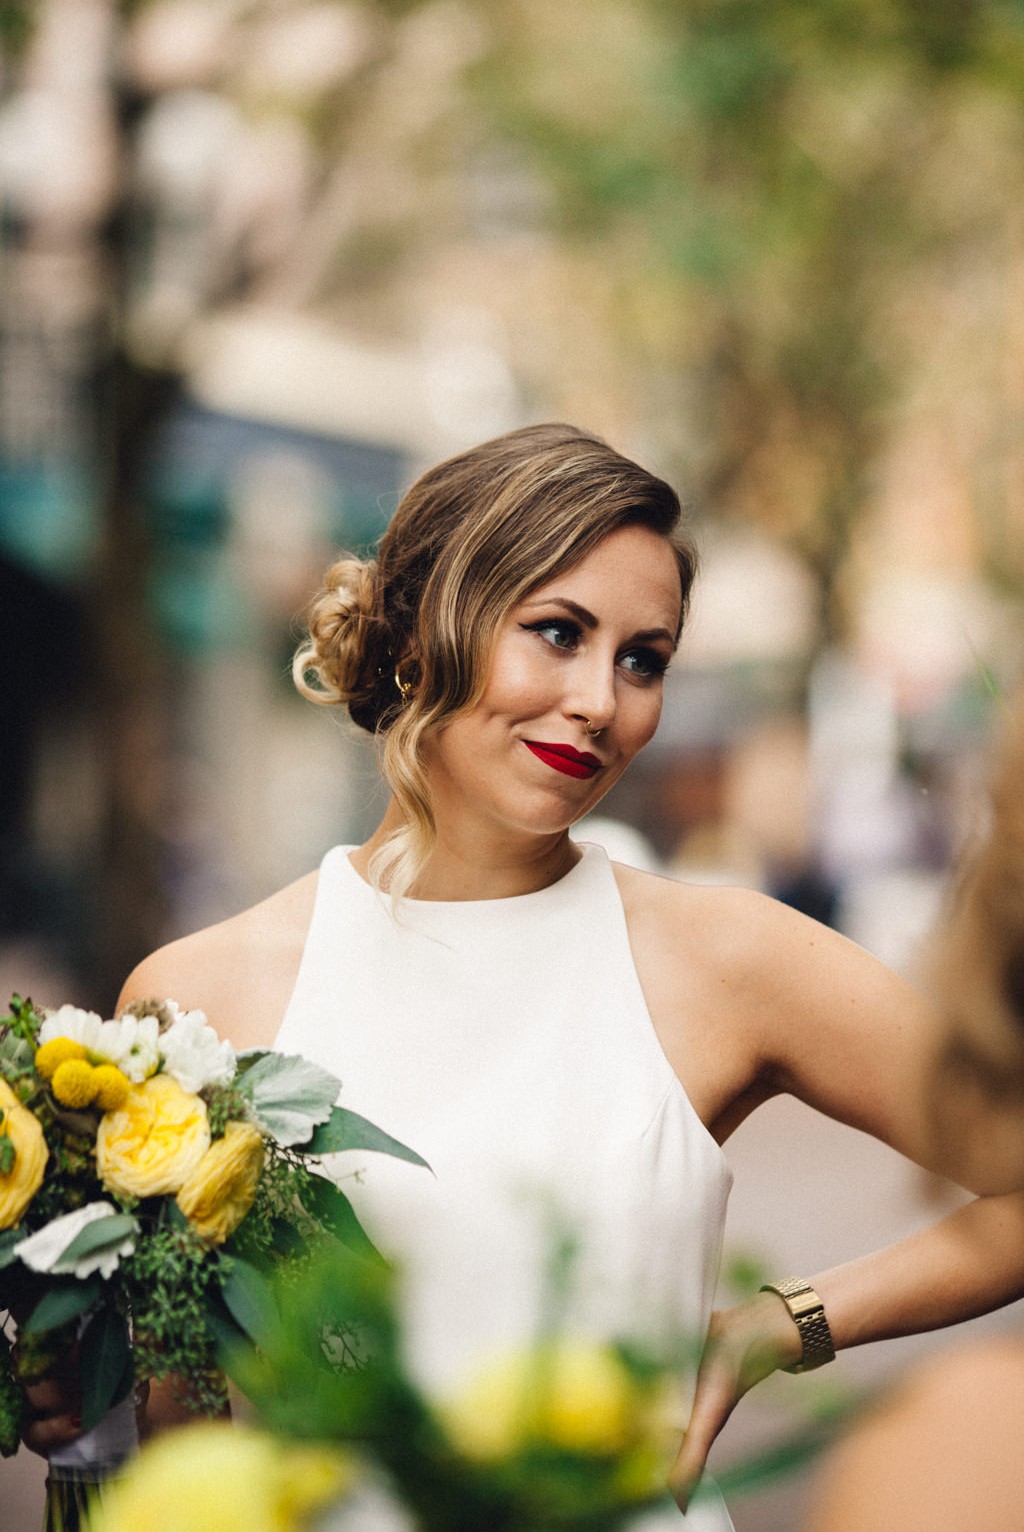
x=589, y=730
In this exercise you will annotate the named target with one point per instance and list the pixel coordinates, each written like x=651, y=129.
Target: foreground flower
x=46, y=1250
x=221, y=1189
x=194, y=1054
x=575, y=1397
x=218, y=1477
x=154, y=1142
x=23, y=1158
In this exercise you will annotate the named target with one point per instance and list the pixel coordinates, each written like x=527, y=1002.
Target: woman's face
x=591, y=645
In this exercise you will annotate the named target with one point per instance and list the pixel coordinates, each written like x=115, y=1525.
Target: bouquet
x=150, y=1180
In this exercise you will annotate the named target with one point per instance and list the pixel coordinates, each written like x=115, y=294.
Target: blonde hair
x=978, y=1100
x=471, y=538
x=982, y=965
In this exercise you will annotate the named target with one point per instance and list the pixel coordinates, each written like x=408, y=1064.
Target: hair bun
x=341, y=661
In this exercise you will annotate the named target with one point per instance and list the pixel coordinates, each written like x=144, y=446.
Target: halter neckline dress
x=508, y=1042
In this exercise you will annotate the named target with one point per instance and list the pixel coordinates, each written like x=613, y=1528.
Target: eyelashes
x=641, y=662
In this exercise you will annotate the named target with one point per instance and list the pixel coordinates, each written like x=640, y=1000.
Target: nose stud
x=589, y=730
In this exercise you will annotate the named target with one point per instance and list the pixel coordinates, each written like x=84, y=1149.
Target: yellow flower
x=576, y=1397
x=74, y=1083
x=153, y=1143
x=112, y=1087
x=56, y=1052
x=219, y=1477
x=20, y=1184
x=220, y=1191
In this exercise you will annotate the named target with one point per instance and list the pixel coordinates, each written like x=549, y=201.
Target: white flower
x=131, y=1044
x=83, y=1027
x=194, y=1054
x=45, y=1250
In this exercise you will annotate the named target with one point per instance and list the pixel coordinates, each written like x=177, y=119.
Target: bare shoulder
x=241, y=972
x=764, y=999
x=941, y=1453
x=728, y=936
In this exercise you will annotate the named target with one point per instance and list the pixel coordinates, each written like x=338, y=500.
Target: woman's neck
x=471, y=866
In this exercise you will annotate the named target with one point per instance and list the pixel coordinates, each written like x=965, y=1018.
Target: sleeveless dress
x=508, y=1042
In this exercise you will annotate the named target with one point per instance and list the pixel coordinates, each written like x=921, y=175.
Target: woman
x=942, y=1451
x=567, y=1042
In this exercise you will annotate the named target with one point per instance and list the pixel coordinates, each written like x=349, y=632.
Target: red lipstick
x=565, y=759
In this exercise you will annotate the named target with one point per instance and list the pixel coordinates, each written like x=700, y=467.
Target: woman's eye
x=644, y=663
x=559, y=634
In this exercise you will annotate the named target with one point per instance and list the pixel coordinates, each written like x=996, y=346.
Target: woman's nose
x=593, y=696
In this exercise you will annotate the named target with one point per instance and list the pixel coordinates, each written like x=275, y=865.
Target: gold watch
x=808, y=1314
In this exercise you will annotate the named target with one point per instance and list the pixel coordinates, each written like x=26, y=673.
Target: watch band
x=808, y=1314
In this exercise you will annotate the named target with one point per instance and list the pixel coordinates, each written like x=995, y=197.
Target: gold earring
x=589, y=730
x=405, y=687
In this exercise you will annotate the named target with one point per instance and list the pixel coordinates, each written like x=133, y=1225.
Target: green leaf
x=101, y=1234
x=347, y=1130
x=329, y=1205
x=289, y=1095
x=64, y=1301
x=249, y=1299
x=8, y=1239
x=105, y=1364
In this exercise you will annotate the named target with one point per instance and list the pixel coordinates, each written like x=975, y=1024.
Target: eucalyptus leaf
x=249, y=1299
x=289, y=1095
x=64, y=1301
x=16, y=1051
x=105, y=1364
x=101, y=1234
x=347, y=1130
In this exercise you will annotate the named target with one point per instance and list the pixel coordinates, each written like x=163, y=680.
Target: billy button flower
x=74, y=1083
x=112, y=1087
x=58, y=1051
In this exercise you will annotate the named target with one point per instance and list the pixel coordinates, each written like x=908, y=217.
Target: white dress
x=508, y=1042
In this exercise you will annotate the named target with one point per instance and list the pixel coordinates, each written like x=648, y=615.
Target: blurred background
x=261, y=261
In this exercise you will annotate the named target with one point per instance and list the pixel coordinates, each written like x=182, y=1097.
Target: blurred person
x=565, y=1038
x=942, y=1452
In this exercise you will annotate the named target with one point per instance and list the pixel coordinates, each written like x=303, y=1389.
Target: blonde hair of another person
x=942, y=1452
x=403, y=641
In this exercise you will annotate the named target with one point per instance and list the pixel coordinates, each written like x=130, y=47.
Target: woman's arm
x=769, y=1001
x=964, y=1265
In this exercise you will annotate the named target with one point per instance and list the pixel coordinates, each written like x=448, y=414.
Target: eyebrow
x=590, y=621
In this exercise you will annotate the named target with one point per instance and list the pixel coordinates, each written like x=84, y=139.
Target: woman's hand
x=744, y=1345
x=53, y=1413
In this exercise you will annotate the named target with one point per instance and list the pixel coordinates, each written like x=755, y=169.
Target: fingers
x=745, y=1344
x=713, y=1403
x=54, y=1415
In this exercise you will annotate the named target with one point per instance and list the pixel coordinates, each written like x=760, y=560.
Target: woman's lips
x=564, y=758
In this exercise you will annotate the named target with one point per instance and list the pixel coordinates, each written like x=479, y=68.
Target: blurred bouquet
x=567, y=1435
x=147, y=1177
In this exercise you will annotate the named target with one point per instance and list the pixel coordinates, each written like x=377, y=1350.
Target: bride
x=567, y=1041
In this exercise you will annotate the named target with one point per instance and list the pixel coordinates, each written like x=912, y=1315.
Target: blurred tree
x=754, y=203
x=782, y=190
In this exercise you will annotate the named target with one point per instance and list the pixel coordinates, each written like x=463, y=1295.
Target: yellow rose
x=152, y=1144
x=574, y=1396
x=220, y=1191
x=219, y=1477
x=25, y=1177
